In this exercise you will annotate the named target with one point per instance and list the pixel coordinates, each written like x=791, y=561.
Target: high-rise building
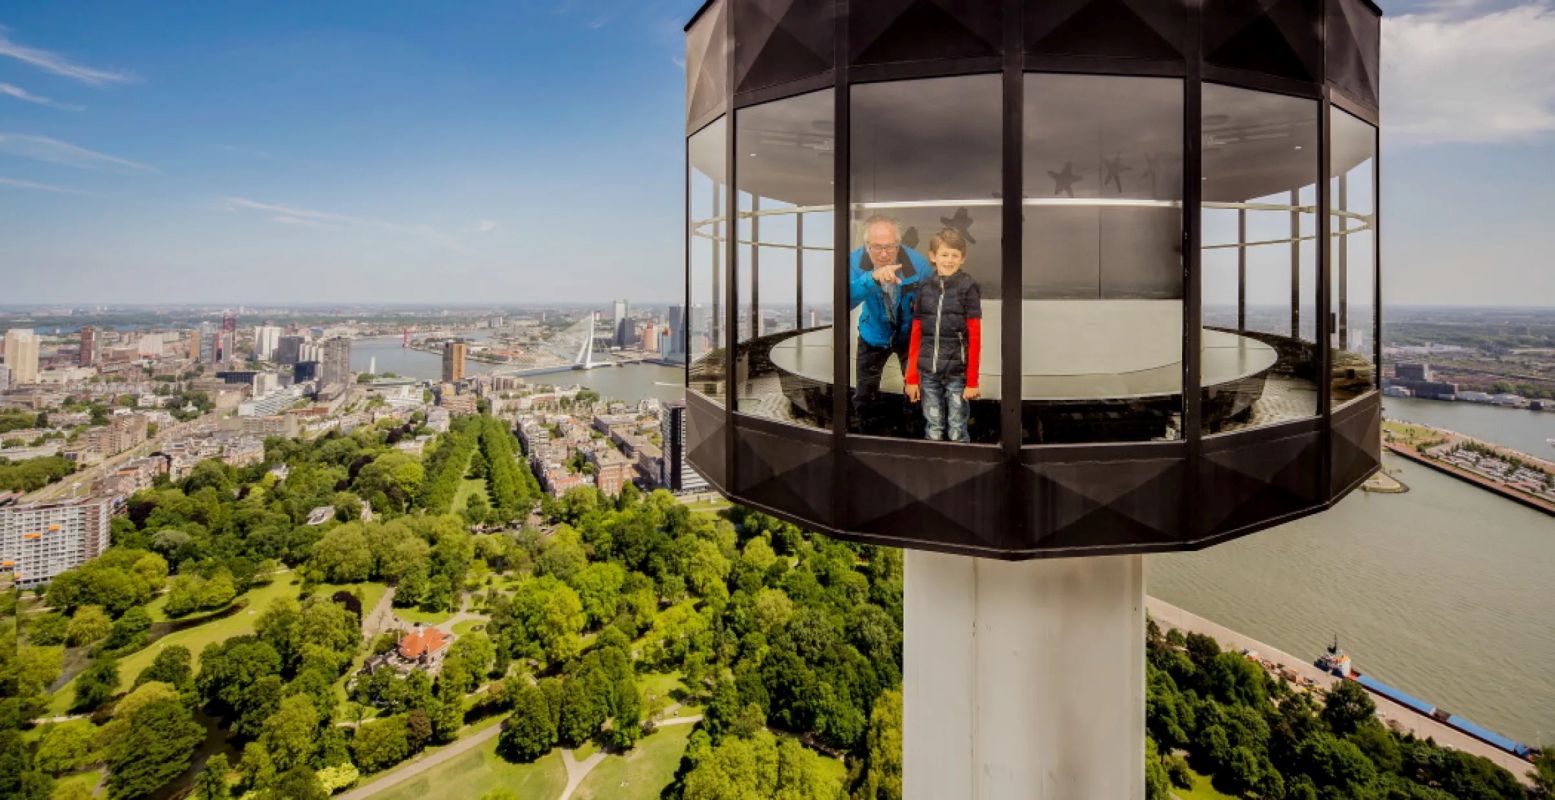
x=205, y=338
x=88, y=354
x=676, y=472
x=40, y=540
x=267, y=338
x=21, y=355
x=621, y=332
x=336, y=369
x=454, y=352
x=288, y=350
x=651, y=338
x=5, y=377
x=676, y=349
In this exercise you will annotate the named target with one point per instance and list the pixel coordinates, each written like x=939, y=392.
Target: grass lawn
x=1202, y=790
x=195, y=639
x=467, y=488
x=469, y=626
x=709, y=506
x=371, y=591
x=660, y=684
x=482, y=770
x=88, y=779
x=640, y=774
x=414, y=615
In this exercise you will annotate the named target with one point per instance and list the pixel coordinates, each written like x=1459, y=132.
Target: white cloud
x=12, y=90
x=292, y=215
x=485, y=226
x=60, y=65
x=54, y=151
x=1457, y=74
x=42, y=187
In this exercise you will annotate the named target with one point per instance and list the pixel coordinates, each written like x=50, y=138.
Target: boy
x=946, y=341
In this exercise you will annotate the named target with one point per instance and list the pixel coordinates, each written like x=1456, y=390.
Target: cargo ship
x=1337, y=662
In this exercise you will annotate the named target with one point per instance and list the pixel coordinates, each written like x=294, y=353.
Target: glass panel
x=705, y=237
x=1259, y=270
x=1352, y=227
x=785, y=150
x=926, y=232
x=1101, y=294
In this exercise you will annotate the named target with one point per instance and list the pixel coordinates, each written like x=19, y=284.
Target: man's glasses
x=882, y=248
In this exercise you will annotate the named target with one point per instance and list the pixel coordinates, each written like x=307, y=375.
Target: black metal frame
x=1019, y=501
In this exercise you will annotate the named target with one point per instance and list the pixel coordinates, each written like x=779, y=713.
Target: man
x=884, y=283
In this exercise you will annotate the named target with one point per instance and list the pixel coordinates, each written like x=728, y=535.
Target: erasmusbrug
x=571, y=349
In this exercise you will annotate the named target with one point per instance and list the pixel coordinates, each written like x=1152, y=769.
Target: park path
x=420, y=764
x=381, y=618
x=578, y=770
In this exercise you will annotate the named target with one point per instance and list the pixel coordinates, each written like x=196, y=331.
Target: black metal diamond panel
x=776, y=41
x=955, y=499
x=1282, y=38
x=1356, y=442
x=705, y=432
x=787, y=469
x=1103, y=503
x=707, y=67
x=885, y=31
x=1354, y=42
x=1133, y=29
x=1242, y=484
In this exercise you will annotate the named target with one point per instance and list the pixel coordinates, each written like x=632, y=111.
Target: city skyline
x=212, y=156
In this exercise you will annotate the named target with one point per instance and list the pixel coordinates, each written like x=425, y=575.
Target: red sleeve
x=914, y=343
x=974, y=349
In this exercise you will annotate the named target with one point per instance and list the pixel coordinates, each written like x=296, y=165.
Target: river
x=630, y=383
x=1444, y=591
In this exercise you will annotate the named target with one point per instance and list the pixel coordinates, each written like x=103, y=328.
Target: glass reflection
x=707, y=193
x=1352, y=260
x=1101, y=295
x=783, y=364
x=926, y=167
x=1258, y=273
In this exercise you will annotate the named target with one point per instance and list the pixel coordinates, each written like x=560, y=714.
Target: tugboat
x=1335, y=661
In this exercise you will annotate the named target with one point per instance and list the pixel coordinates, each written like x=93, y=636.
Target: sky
x=531, y=151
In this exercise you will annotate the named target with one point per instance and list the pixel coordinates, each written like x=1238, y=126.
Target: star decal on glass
x=962, y=222
x=1063, y=182
x=1115, y=169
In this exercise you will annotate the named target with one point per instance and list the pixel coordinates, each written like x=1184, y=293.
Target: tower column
x=1023, y=680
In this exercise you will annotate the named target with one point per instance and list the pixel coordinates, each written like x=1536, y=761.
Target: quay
x=1393, y=714
x=1406, y=447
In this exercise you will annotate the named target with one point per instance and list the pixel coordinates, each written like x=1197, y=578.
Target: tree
x=290, y=734
x=760, y=768
x=212, y=783
x=157, y=747
x=88, y=625
x=582, y=711
x=97, y=684
x=883, y=773
x=64, y=747
x=297, y=783
x=342, y=555
x=380, y=744
x=528, y=732
x=170, y=666
x=129, y=630
x=1347, y=707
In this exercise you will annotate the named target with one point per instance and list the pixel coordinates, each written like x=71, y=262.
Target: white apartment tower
x=40, y=540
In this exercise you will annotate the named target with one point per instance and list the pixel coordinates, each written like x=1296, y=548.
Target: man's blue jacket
x=884, y=323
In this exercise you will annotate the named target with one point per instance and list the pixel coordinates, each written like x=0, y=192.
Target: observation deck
x=1169, y=208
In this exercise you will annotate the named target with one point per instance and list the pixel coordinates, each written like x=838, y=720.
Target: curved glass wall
x=1352, y=256
x=1258, y=271
x=784, y=175
x=1101, y=297
x=706, y=208
x=925, y=256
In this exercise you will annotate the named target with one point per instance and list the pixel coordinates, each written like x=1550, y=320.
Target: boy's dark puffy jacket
x=947, y=328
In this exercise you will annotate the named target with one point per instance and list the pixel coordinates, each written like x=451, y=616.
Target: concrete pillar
x=1023, y=680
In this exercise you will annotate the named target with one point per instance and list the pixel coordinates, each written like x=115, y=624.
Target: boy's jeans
x=944, y=406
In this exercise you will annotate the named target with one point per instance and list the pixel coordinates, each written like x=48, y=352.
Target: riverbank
x=1169, y=616
x=1513, y=474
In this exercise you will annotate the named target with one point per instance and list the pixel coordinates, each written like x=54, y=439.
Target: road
x=420, y=764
